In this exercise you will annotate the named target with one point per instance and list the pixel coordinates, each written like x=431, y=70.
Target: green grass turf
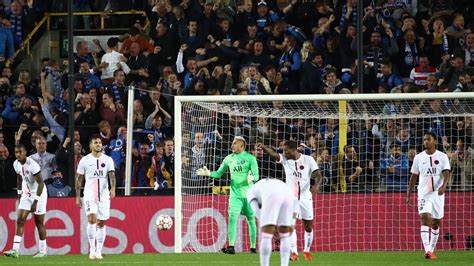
x=325, y=258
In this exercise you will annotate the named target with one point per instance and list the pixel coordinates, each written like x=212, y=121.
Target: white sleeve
x=125, y=67
x=414, y=167
x=312, y=164
x=179, y=63
x=412, y=74
x=111, y=165
x=80, y=167
x=35, y=168
x=253, y=200
x=15, y=167
x=103, y=59
x=446, y=165
x=282, y=158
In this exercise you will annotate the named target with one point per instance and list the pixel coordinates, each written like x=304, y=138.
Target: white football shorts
x=26, y=201
x=99, y=208
x=304, y=209
x=278, y=211
x=431, y=203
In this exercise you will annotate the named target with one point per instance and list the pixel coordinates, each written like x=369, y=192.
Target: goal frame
x=340, y=98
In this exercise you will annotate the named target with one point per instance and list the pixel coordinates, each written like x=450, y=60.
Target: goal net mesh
x=364, y=149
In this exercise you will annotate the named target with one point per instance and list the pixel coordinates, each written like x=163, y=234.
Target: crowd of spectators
x=244, y=47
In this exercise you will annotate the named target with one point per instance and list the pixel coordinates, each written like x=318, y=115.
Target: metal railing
x=26, y=45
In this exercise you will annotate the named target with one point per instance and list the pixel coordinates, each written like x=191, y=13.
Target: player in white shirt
x=113, y=59
x=32, y=198
x=300, y=169
x=273, y=205
x=96, y=167
x=432, y=166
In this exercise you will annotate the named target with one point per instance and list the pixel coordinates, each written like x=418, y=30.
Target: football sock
x=293, y=241
x=252, y=232
x=285, y=249
x=425, y=237
x=91, y=235
x=100, y=239
x=308, y=240
x=232, y=228
x=265, y=249
x=16, y=242
x=42, y=246
x=434, y=238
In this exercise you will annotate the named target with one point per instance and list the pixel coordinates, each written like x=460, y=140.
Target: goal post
x=354, y=211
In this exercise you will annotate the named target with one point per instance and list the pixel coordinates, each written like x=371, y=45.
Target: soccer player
x=299, y=169
x=33, y=198
x=95, y=168
x=273, y=205
x=239, y=163
x=432, y=166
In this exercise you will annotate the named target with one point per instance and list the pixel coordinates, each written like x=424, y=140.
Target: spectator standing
x=420, y=73
x=46, y=160
x=134, y=37
x=114, y=59
x=290, y=63
x=111, y=112
x=7, y=45
x=395, y=169
x=7, y=173
x=22, y=22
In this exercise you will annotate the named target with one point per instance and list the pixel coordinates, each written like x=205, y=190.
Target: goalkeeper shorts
x=240, y=206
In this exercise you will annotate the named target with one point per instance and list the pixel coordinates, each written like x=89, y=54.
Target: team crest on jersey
x=436, y=162
x=102, y=165
x=27, y=172
x=242, y=162
x=301, y=167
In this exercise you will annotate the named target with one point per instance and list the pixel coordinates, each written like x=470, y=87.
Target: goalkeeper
x=240, y=163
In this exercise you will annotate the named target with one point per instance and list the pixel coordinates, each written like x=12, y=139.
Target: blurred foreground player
x=273, y=205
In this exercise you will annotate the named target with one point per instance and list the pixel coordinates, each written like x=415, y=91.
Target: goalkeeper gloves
x=203, y=171
x=250, y=178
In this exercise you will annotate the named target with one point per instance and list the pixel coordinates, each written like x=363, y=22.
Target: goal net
x=364, y=146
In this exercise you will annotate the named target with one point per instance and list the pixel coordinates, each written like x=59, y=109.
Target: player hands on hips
x=95, y=168
x=432, y=167
x=32, y=197
x=239, y=163
x=299, y=169
x=273, y=205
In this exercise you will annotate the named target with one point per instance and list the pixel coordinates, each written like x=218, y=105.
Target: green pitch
x=324, y=258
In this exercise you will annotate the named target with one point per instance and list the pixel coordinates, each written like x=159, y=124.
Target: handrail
x=26, y=42
x=47, y=19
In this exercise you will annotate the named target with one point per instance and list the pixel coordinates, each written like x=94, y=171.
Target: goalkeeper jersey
x=239, y=166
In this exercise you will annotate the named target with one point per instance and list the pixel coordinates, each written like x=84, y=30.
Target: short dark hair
x=93, y=137
x=291, y=144
x=168, y=139
x=387, y=62
x=431, y=134
x=20, y=146
x=112, y=42
x=133, y=31
x=117, y=71
x=394, y=145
